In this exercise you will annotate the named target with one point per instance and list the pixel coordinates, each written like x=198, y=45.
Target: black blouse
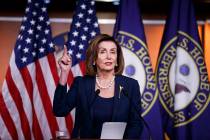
x=102, y=112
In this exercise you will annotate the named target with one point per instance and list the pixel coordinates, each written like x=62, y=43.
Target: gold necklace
x=104, y=87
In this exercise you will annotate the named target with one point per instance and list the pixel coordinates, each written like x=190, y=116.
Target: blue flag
x=129, y=32
x=182, y=78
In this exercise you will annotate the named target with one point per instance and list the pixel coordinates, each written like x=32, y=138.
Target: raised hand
x=65, y=63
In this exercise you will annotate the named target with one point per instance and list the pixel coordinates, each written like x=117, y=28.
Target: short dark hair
x=92, y=54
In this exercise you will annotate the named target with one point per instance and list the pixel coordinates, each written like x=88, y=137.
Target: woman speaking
x=102, y=95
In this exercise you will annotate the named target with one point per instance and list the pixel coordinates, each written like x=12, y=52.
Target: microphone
x=137, y=108
x=97, y=92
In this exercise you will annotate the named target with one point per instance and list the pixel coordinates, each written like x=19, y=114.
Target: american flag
x=84, y=27
x=31, y=78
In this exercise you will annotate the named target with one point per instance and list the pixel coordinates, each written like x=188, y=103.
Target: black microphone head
x=97, y=91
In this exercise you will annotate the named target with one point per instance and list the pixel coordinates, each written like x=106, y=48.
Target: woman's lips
x=108, y=63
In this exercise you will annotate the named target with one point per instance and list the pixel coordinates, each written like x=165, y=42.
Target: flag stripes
x=6, y=121
x=28, y=90
x=37, y=86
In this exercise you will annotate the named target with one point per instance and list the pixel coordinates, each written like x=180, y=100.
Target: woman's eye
x=113, y=52
x=102, y=52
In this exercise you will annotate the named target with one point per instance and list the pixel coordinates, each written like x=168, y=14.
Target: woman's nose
x=108, y=55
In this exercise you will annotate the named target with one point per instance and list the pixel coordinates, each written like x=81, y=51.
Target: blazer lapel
x=91, y=95
x=91, y=91
x=116, y=98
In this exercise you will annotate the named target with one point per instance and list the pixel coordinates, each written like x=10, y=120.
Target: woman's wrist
x=63, y=78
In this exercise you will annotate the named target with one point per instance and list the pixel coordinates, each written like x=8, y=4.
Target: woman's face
x=107, y=56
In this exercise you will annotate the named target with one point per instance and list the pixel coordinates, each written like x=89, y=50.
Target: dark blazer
x=127, y=105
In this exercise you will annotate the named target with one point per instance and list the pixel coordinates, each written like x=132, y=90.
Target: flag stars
x=92, y=2
x=83, y=6
x=27, y=10
x=88, y=20
x=95, y=25
x=70, y=51
x=41, y=50
x=73, y=43
x=47, y=1
x=24, y=59
x=34, y=13
x=83, y=37
x=24, y=18
x=44, y=9
x=75, y=33
x=19, y=47
x=41, y=18
x=36, y=4
x=85, y=28
x=51, y=45
x=48, y=22
x=34, y=38
x=39, y=27
x=44, y=41
x=30, y=31
x=90, y=11
x=34, y=53
x=93, y=33
x=28, y=40
x=78, y=24
x=22, y=27
x=80, y=15
x=47, y=31
x=32, y=22
x=78, y=55
x=81, y=46
x=37, y=36
x=26, y=50
x=21, y=37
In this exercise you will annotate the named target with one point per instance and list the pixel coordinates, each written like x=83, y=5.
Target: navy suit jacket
x=127, y=105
